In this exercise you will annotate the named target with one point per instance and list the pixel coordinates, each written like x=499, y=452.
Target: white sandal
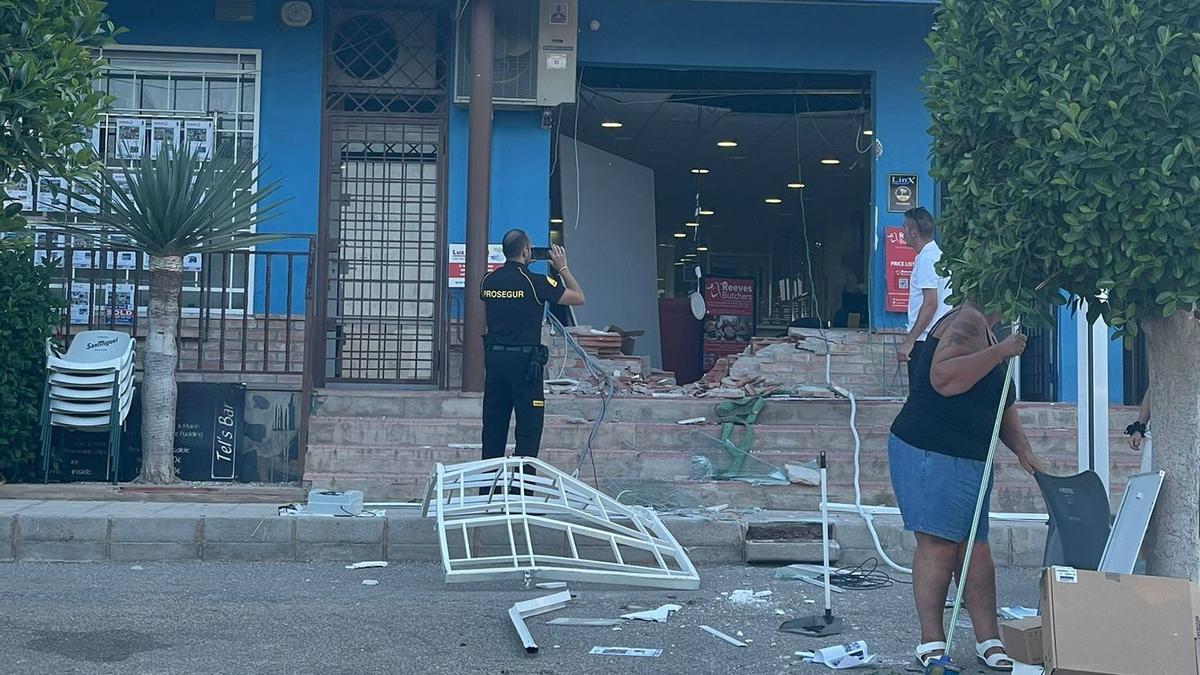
x=995, y=660
x=925, y=652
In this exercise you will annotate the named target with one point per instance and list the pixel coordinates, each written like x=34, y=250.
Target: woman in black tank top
x=936, y=457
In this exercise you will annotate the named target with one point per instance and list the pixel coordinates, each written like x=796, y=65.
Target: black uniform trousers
x=511, y=383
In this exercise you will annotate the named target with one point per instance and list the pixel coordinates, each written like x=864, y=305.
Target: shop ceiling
x=672, y=121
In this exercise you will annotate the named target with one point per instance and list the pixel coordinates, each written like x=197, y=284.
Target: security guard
x=514, y=354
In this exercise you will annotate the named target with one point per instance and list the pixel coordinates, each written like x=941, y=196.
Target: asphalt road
x=265, y=618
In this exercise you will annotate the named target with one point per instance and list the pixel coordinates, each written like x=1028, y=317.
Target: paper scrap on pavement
x=659, y=615
x=844, y=657
x=1026, y=669
x=625, y=651
x=366, y=564
x=723, y=636
x=745, y=596
x=370, y=582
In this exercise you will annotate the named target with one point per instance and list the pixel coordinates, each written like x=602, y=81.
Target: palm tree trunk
x=158, y=371
x=1174, y=359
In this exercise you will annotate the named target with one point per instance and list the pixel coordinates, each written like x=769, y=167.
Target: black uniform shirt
x=514, y=298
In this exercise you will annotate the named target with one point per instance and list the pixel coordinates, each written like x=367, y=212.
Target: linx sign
x=902, y=192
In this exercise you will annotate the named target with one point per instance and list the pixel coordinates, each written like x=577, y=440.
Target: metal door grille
x=1038, y=367
x=383, y=221
x=387, y=61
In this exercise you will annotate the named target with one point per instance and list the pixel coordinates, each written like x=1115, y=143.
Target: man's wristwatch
x=1136, y=428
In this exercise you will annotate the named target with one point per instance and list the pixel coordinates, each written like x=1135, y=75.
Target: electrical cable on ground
x=865, y=576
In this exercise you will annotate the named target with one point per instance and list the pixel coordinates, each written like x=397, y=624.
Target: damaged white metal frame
x=530, y=608
x=603, y=541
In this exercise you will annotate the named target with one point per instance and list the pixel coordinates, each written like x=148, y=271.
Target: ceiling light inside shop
x=831, y=161
x=773, y=200
x=611, y=124
x=868, y=132
x=700, y=171
x=796, y=186
x=556, y=221
x=691, y=224
x=680, y=235
x=702, y=249
x=726, y=144
x=707, y=212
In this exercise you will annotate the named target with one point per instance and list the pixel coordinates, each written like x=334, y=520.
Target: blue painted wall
x=1068, y=359
x=290, y=113
x=887, y=41
x=520, y=192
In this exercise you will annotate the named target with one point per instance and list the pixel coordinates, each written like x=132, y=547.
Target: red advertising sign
x=729, y=324
x=456, y=264
x=899, y=260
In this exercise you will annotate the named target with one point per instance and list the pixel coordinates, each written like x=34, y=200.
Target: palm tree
x=173, y=205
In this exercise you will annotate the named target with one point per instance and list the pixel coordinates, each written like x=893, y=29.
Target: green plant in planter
x=176, y=205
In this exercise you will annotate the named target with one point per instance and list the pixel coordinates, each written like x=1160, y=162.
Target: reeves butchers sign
x=729, y=324
x=729, y=296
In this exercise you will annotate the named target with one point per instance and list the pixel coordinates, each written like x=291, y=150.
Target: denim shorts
x=937, y=493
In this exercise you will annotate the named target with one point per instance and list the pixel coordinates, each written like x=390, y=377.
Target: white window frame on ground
x=241, y=67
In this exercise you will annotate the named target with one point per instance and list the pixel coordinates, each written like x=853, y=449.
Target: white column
x=1092, y=343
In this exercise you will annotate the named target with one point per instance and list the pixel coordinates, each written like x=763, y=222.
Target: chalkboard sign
x=208, y=438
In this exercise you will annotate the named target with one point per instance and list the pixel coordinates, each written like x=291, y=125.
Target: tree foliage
x=47, y=101
x=29, y=311
x=1065, y=134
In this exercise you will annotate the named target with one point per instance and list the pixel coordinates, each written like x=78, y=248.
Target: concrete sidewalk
x=86, y=531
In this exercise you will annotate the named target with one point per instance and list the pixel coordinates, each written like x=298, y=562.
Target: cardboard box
x=1115, y=624
x=1023, y=640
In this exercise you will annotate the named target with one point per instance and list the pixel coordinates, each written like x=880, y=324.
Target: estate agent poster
x=131, y=138
x=164, y=133
x=729, y=324
x=898, y=259
x=198, y=137
x=457, y=263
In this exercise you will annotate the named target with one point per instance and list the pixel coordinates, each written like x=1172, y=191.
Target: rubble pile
x=789, y=365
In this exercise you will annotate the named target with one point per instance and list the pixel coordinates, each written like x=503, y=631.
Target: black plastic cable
x=865, y=576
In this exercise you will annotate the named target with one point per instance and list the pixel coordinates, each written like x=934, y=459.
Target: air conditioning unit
x=534, y=57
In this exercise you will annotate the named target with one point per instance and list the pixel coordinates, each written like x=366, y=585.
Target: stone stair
x=386, y=443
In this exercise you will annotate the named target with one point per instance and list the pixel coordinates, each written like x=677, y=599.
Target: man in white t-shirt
x=927, y=291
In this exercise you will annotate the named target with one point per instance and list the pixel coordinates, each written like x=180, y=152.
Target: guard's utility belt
x=520, y=349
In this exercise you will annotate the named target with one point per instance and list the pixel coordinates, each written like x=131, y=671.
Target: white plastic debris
x=625, y=651
x=723, y=636
x=844, y=657
x=780, y=612
x=1018, y=612
x=692, y=420
x=658, y=615
x=763, y=594
x=367, y=564
x=137, y=568
x=571, y=621
x=552, y=585
x=745, y=596
x=370, y=582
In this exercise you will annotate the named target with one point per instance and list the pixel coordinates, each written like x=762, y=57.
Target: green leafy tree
x=1065, y=135
x=175, y=205
x=47, y=102
x=29, y=311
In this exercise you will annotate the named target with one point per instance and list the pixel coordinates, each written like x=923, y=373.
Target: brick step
x=386, y=431
x=419, y=405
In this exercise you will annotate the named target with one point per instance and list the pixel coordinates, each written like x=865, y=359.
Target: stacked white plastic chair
x=89, y=388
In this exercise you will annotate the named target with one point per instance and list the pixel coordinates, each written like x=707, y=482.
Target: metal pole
x=1092, y=379
x=479, y=180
